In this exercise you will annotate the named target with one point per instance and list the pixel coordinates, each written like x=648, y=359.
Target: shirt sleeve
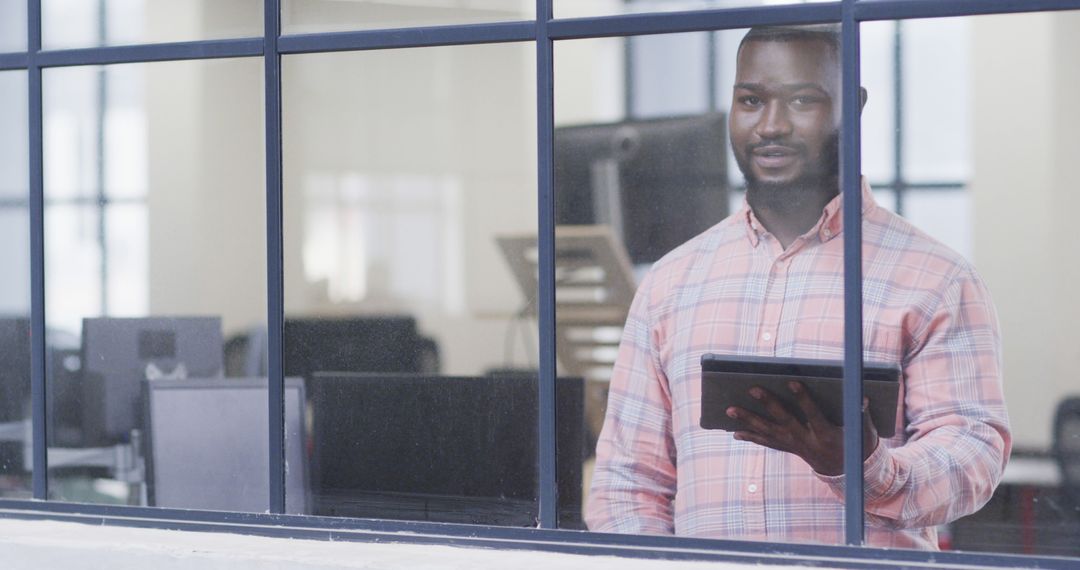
x=956, y=443
x=634, y=481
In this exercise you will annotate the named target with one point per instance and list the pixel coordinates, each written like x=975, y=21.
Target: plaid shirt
x=734, y=290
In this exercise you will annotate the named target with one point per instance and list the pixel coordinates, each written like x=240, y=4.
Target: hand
x=818, y=442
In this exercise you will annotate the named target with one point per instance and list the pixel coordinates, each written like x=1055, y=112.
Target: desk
x=1028, y=513
x=1032, y=471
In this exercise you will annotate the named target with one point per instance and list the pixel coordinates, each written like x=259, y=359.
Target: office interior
x=410, y=216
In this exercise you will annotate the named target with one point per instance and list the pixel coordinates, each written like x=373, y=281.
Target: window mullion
x=275, y=270
x=852, y=200
x=545, y=71
x=37, y=257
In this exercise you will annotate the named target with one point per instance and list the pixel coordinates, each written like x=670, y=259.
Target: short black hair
x=829, y=34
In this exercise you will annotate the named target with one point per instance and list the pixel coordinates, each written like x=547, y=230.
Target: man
x=768, y=281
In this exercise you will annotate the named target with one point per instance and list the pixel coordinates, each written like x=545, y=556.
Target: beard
x=809, y=189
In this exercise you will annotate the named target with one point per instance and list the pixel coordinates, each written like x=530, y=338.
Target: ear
x=863, y=96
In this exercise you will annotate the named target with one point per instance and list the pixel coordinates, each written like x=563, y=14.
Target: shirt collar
x=830, y=225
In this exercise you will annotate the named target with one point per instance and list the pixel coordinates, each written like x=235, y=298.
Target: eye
x=805, y=100
x=750, y=100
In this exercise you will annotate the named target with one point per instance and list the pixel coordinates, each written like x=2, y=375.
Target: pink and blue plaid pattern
x=734, y=290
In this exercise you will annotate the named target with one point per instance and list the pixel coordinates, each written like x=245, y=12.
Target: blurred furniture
x=440, y=448
x=14, y=391
x=369, y=343
x=594, y=286
x=207, y=446
x=655, y=182
x=118, y=354
x=1029, y=512
x=1036, y=508
x=1067, y=448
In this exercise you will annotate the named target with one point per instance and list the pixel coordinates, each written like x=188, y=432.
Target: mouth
x=773, y=157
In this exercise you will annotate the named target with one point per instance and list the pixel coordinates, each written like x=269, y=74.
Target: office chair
x=1067, y=447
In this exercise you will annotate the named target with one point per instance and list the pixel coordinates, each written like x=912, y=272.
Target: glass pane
x=661, y=90
x=309, y=16
x=155, y=252
x=12, y=25
x=13, y=138
x=879, y=114
x=944, y=213
x=410, y=202
x=583, y=8
x=936, y=61
x=969, y=292
x=93, y=23
x=15, y=435
x=661, y=260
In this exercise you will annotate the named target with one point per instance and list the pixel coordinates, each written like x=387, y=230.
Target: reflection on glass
x=931, y=153
x=309, y=16
x=12, y=25
x=583, y=8
x=13, y=138
x=94, y=23
x=154, y=254
x=15, y=436
x=410, y=211
x=619, y=185
x=945, y=214
x=988, y=318
x=878, y=117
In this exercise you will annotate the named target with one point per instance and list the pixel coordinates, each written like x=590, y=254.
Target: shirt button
x=767, y=336
x=752, y=488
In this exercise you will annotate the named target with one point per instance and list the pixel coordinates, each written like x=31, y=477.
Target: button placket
x=774, y=300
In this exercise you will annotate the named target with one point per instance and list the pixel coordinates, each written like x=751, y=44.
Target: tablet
x=726, y=381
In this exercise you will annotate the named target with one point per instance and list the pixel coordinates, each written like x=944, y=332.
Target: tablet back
x=727, y=380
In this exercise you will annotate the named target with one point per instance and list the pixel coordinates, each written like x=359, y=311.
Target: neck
x=788, y=212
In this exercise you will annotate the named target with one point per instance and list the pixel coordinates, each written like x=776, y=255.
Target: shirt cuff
x=879, y=473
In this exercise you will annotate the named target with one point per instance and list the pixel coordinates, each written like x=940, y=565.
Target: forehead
x=776, y=63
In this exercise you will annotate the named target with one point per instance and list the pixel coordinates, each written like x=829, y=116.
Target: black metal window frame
x=543, y=32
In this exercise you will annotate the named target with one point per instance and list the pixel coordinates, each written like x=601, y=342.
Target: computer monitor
x=370, y=343
x=14, y=368
x=14, y=386
x=64, y=395
x=118, y=354
x=657, y=182
x=207, y=445
x=440, y=448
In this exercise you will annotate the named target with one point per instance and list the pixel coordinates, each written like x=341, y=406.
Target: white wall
x=460, y=118
x=206, y=198
x=1025, y=189
x=14, y=185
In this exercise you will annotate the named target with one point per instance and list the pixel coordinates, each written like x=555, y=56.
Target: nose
x=774, y=121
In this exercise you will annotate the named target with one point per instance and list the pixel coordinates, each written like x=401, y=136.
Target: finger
x=868, y=421
x=813, y=413
x=870, y=434
x=776, y=408
x=759, y=439
x=750, y=420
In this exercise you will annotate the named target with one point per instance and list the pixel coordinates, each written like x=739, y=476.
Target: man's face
x=784, y=113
